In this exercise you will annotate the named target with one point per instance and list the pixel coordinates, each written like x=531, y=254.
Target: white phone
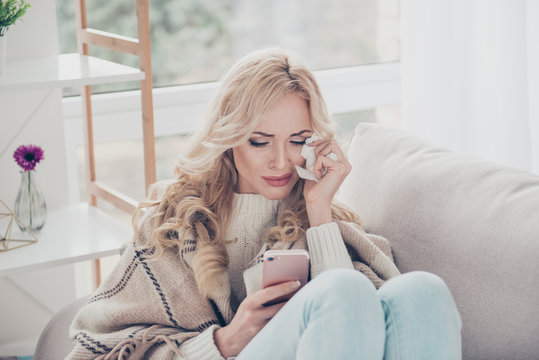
x=285, y=265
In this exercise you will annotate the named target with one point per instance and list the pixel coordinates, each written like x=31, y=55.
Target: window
x=195, y=41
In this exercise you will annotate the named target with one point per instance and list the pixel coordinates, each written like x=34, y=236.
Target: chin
x=277, y=193
x=276, y=196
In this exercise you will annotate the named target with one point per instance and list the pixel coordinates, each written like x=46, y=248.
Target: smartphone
x=284, y=265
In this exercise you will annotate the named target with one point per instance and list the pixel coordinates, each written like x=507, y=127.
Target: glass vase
x=30, y=206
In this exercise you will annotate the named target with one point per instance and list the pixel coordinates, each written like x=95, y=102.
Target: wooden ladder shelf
x=141, y=48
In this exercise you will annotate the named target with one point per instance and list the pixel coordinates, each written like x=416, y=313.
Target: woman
x=189, y=286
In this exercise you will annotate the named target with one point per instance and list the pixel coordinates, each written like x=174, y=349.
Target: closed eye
x=298, y=142
x=258, y=144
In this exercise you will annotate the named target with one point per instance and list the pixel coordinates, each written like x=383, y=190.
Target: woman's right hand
x=250, y=318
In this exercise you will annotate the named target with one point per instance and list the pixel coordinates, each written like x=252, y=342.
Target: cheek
x=295, y=157
x=294, y=154
x=245, y=160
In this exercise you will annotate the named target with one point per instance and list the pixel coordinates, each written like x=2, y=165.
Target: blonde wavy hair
x=198, y=203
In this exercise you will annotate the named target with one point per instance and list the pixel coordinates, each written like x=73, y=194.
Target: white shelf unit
x=84, y=232
x=79, y=232
x=71, y=234
x=66, y=70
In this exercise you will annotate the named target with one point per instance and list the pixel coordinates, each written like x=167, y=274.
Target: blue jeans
x=341, y=315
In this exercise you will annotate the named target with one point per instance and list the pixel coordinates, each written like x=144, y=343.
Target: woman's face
x=265, y=163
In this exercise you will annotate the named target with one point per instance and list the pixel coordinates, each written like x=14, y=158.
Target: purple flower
x=27, y=156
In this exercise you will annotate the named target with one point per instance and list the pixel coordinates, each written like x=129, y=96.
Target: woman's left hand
x=318, y=195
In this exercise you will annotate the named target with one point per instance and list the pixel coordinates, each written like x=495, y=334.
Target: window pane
x=197, y=40
x=347, y=122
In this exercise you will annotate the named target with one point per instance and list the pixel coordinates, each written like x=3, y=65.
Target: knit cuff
x=201, y=347
x=327, y=249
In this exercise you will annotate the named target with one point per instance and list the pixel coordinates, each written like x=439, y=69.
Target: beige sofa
x=474, y=223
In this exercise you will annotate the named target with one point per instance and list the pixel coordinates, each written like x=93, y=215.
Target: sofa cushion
x=472, y=222
x=54, y=342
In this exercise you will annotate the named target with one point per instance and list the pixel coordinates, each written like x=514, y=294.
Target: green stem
x=30, y=197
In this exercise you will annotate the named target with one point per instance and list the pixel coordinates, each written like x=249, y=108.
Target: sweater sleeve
x=148, y=308
x=201, y=347
x=327, y=249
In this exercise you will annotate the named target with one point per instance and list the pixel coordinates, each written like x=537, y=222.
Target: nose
x=279, y=158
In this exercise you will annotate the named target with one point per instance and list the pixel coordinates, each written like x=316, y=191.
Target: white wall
x=532, y=24
x=33, y=37
x=470, y=77
x=29, y=300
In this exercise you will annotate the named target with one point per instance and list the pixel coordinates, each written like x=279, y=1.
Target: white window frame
x=179, y=109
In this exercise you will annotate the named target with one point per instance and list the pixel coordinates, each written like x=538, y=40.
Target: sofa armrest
x=54, y=342
x=474, y=223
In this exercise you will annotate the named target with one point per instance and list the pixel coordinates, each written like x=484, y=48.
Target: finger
x=337, y=149
x=328, y=148
x=320, y=143
x=324, y=148
x=332, y=147
x=273, y=292
x=330, y=165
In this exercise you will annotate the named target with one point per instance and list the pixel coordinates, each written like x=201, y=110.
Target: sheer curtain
x=470, y=77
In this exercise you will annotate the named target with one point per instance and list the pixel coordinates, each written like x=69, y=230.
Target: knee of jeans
x=414, y=284
x=421, y=281
x=344, y=284
x=420, y=284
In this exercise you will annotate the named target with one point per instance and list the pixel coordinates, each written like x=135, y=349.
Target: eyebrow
x=271, y=135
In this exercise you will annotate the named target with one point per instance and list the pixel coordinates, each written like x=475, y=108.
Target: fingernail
x=295, y=284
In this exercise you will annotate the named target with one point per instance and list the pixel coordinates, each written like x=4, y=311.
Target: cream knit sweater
x=153, y=310
x=253, y=215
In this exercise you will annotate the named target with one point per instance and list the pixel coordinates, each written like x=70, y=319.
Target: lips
x=278, y=181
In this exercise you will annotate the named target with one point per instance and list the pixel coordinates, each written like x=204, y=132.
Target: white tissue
x=310, y=158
